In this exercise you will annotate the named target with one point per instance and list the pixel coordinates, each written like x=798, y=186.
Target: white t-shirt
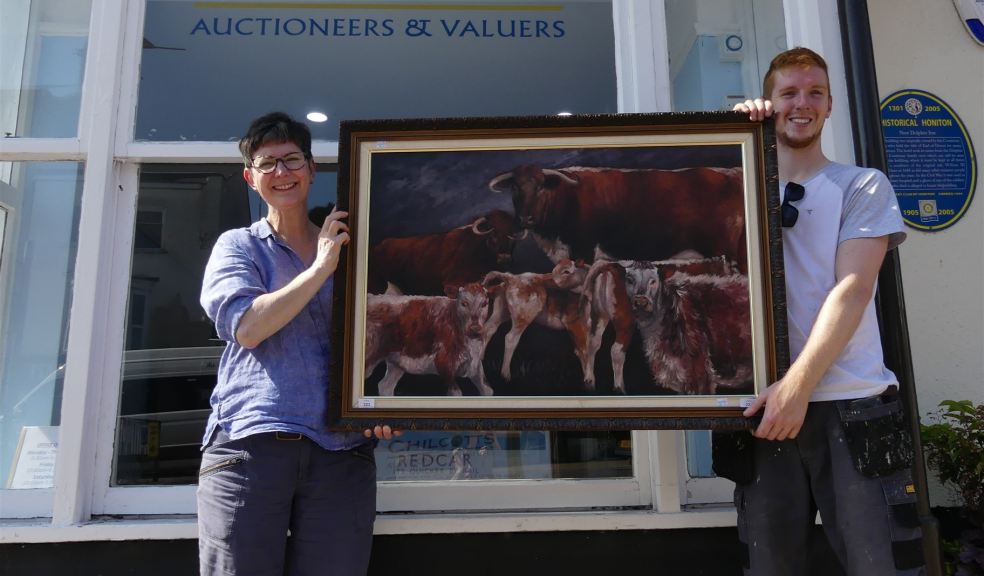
x=841, y=202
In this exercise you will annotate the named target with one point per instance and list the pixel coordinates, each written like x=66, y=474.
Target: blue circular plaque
x=931, y=161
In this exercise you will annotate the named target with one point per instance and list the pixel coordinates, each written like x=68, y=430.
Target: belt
x=221, y=436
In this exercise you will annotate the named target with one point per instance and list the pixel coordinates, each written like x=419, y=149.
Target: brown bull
x=426, y=264
x=630, y=214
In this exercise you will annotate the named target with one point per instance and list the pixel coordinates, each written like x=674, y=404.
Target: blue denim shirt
x=281, y=385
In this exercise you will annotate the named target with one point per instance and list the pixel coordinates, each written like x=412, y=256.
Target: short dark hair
x=798, y=56
x=275, y=127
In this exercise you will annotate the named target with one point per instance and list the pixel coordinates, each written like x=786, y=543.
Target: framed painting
x=582, y=272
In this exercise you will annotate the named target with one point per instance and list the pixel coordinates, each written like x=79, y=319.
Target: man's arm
x=857, y=265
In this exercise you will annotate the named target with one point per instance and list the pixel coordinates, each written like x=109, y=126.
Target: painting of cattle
x=544, y=266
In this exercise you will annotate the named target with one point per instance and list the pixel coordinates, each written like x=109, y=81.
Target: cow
x=630, y=214
x=428, y=335
x=551, y=299
x=606, y=299
x=426, y=264
x=696, y=329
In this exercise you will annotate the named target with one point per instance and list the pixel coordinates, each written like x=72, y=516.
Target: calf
x=552, y=300
x=428, y=335
x=605, y=301
x=696, y=329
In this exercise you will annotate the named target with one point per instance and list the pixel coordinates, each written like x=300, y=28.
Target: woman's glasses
x=794, y=193
x=291, y=162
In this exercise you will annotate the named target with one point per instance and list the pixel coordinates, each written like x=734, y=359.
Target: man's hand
x=383, y=432
x=785, y=409
x=757, y=109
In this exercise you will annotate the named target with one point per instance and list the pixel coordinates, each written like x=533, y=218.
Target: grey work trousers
x=871, y=523
x=253, y=490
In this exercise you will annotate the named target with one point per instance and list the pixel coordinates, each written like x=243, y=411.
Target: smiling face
x=283, y=188
x=801, y=99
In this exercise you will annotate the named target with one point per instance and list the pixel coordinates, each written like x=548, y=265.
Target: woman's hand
x=383, y=432
x=331, y=238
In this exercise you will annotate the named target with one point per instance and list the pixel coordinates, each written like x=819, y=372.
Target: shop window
x=207, y=66
x=38, y=241
x=43, y=43
x=719, y=52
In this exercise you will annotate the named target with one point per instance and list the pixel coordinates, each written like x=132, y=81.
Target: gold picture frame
x=584, y=272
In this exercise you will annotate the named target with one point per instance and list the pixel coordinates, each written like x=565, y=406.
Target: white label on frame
x=746, y=402
x=367, y=402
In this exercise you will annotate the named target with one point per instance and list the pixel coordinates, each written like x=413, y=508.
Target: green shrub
x=954, y=446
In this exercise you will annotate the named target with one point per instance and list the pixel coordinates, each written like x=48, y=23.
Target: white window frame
x=658, y=494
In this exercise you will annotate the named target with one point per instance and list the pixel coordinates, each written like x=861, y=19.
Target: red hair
x=799, y=56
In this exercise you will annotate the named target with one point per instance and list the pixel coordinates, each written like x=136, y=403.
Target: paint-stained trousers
x=870, y=520
x=253, y=490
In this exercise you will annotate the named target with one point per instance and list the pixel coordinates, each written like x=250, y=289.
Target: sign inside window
x=207, y=67
x=34, y=460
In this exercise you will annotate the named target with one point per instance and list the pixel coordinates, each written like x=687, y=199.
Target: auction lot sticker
x=931, y=161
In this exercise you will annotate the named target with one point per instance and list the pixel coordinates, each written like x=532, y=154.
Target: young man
x=831, y=435
x=269, y=464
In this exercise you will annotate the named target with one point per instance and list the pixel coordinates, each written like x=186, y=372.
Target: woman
x=278, y=493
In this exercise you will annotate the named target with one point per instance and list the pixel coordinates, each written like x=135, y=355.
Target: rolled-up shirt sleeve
x=232, y=281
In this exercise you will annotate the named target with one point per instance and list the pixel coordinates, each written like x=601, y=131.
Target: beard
x=798, y=143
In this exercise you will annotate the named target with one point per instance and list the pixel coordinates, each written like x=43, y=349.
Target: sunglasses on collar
x=794, y=193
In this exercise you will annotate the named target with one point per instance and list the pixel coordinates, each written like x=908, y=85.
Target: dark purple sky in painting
x=415, y=193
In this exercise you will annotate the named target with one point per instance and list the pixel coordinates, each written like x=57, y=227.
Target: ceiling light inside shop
x=317, y=116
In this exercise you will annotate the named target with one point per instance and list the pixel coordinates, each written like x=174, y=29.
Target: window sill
x=185, y=527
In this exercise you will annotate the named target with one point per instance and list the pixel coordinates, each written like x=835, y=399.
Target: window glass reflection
x=39, y=211
x=43, y=43
x=475, y=455
x=172, y=352
x=719, y=52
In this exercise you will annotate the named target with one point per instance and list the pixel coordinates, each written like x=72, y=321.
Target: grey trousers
x=253, y=490
x=871, y=523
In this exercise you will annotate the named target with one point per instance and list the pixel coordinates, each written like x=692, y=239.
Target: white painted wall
x=922, y=44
